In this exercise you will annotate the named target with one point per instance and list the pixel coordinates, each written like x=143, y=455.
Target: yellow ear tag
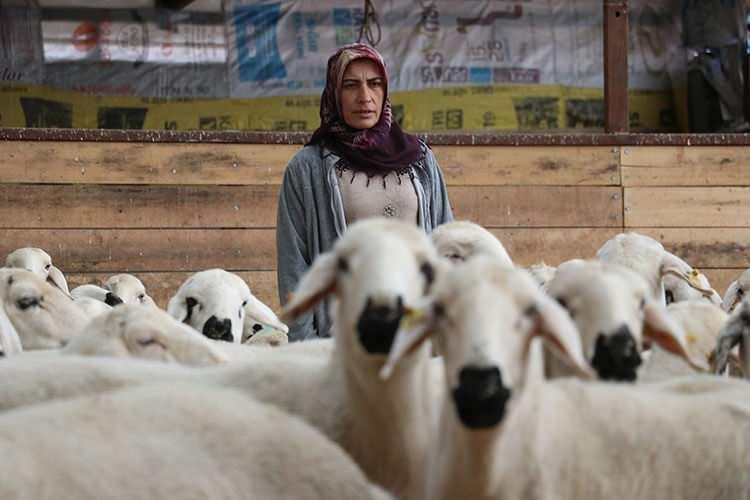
x=411, y=318
x=691, y=338
x=693, y=278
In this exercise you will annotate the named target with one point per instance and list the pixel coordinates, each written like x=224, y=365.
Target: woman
x=358, y=163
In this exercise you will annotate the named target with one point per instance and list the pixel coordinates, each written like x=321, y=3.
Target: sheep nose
x=378, y=324
x=616, y=356
x=480, y=397
x=112, y=300
x=218, y=329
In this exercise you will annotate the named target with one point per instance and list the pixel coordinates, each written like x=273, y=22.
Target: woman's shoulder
x=309, y=157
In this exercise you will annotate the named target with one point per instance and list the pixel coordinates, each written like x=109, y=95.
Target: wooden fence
x=165, y=210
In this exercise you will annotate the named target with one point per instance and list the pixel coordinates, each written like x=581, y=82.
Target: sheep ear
x=9, y=339
x=659, y=327
x=730, y=336
x=56, y=276
x=731, y=297
x=553, y=324
x=415, y=328
x=317, y=283
x=177, y=308
x=257, y=311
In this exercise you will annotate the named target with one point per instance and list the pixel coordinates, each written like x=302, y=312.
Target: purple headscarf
x=382, y=148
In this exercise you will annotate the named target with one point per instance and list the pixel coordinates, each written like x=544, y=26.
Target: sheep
x=506, y=432
x=173, y=441
x=736, y=291
x=702, y=322
x=695, y=288
x=375, y=272
x=129, y=289
x=614, y=311
x=131, y=330
x=218, y=303
x=41, y=314
x=38, y=262
x=542, y=274
x=648, y=258
x=459, y=240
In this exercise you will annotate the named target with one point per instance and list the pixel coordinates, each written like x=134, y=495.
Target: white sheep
x=615, y=313
x=460, y=240
x=38, y=262
x=505, y=432
x=129, y=289
x=130, y=330
x=736, y=291
x=172, y=441
x=219, y=304
x=42, y=315
x=374, y=273
x=647, y=257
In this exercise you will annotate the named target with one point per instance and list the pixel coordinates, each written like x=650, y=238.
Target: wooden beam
x=616, y=116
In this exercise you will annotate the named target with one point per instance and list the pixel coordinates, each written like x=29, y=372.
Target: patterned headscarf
x=379, y=149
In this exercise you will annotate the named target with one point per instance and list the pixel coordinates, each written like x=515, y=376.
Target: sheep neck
x=467, y=463
x=390, y=421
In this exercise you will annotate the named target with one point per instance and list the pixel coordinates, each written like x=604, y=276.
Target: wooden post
x=616, y=116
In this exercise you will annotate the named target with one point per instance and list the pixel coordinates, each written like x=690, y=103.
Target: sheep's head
x=43, y=315
x=213, y=302
x=377, y=270
x=736, y=331
x=638, y=252
x=485, y=316
x=460, y=240
x=128, y=288
x=148, y=333
x=93, y=292
x=736, y=292
x=614, y=311
x=682, y=283
x=38, y=262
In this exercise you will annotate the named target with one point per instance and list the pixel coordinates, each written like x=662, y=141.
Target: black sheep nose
x=378, y=324
x=616, y=356
x=480, y=397
x=112, y=300
x=218, y=330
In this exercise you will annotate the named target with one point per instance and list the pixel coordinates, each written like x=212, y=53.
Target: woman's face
x=362, y=92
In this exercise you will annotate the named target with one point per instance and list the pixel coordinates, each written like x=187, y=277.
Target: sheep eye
x=190, y=302
x=740, y=292
x=668, y=296
x=26, y=302
x=438, y=309
x=342, y=264
x=48, y=266
x=142, y=297
x=147, y=342
x=257, y=327
x=429, y=274
x=244, y=303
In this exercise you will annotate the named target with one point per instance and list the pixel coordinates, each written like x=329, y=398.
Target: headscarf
x=380, y=149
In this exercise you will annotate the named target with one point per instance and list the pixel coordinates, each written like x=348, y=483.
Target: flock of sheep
x=451, y=374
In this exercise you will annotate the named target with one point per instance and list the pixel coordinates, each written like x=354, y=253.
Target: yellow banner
x=492, y=107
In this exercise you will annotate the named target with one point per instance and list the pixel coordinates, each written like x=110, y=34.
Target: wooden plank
x=616, y=118
x=538, y=206
x=94, y=206
x=90, y=206
x=162, y=286
x=141, y=250
x=687, y=207
x=705, y=247
x=685, y=166
x=528, y=246
x=143, y=163
x=496, y=166
x=252, y=164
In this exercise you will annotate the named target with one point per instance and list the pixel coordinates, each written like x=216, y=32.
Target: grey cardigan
x=310, y=218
